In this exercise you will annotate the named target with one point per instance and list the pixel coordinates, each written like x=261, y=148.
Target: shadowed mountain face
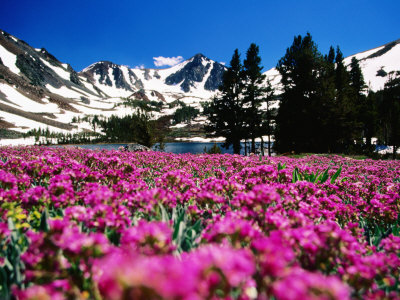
x=195, y=71
x=108, y=73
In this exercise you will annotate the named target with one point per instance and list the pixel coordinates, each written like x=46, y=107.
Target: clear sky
x=81, y=32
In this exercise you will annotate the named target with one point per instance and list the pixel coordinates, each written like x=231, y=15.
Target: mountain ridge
x=35, y=81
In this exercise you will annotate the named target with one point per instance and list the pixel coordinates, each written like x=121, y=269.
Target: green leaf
x=4, y=288
x=180, y=233
x=177, y=222
x=336, y=175
x=324, y=176
x=396, y=230
x=281, y=167
x=8, y=264
x=44, y=221
x=11, y=225
x=295, y=176
x=164, y=214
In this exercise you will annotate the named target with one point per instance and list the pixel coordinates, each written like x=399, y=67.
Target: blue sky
x=81, y=32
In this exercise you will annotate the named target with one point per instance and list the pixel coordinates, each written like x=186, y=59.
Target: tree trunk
x=394, y=151
x=236, y=147
x=269, y=145
x=262, y=146
x=253, y=145
x=245, y=147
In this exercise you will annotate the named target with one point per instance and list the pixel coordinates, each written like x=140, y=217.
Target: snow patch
x=59, y=71
x=22, y=102
x=64, y=91
x=9, y=59
x=18, y=142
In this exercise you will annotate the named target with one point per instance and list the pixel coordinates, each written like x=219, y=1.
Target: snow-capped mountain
x=377, y=63
x=198, y=76
x=39, y=91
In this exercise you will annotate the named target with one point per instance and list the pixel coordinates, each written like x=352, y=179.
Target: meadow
x=83, y=224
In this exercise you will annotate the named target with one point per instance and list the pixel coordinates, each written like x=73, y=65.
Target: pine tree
x=356, y=78
x=253, y=94
x=358, y=100
x=325, y=105
x=225, y=112
x=268, y=117
x=342, y=92
x=296, y=120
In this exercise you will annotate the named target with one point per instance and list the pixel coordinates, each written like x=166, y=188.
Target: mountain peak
x=197, y=69
x=199, y=55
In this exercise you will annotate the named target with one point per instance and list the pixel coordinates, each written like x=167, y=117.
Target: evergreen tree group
x=235, y=113
x=325, y=105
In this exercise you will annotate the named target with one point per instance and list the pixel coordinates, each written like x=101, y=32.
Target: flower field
x=82, y=224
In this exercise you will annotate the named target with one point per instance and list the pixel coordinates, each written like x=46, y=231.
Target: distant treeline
x=137, y=127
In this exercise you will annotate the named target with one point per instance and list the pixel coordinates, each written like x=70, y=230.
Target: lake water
x=192, y=147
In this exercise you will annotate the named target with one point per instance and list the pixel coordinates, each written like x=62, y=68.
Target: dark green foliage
x=215, y=149
x=253, y=94
x=146, y=106
x=301, y=70
x=356, y=77
x=186, y=230
x=94, y=122
x=136, y=127
x=176, y=103
x=268, y=116
x=314, y=177
x=388, y=102
x=45, y=136
x=10, y=134
x=11, y=270
x=185, y=114
x=132, y=128
x=236, y=112
x=44, y=221
x=225, y=112
x=324, y=106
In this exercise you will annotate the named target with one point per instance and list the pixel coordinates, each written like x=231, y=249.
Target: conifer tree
x=324, y=106
x=341, y=83
x=296, y=123
x=225, y=112
x=268, y=118
x=358, y=100
x=356, y=77
x=253, y=94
